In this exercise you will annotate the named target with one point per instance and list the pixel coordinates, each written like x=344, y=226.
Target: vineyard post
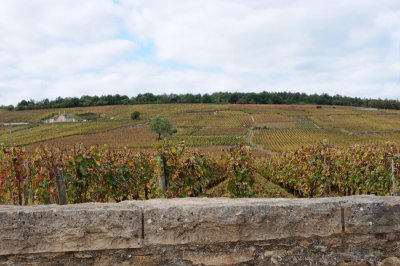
x=62, y=195
x=32, y=192
x=393, y=183
x=161, y=174
x=26, y=188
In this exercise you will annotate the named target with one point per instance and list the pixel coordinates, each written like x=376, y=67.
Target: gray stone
x=371, y=214
x=54, y=228
x=231, y=258
x=391, y=261
x=205, y=231
x=203, y=220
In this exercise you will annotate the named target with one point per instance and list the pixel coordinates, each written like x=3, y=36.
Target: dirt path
x=125, y=127
x=375, y=133
x=249, y=137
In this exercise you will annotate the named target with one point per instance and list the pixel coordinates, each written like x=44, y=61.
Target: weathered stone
x=143, y=260
x=334, y=242
x=391, y=261
x=217, y=259
x=54, y=228
x=103, y=261
x=305, y=244
x=321, y=248
x=204, y=231
x=202, y=220
x=371, y=214
x=265, y=253
x=354, y=263
x=82, y=255
x=276, y=253
x=269, y=253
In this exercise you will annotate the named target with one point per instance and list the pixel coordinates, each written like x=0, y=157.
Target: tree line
x=217, y=97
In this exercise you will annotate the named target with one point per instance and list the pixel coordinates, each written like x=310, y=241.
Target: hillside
x=208, y=127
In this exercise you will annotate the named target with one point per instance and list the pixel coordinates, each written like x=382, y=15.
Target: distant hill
x=267, y=128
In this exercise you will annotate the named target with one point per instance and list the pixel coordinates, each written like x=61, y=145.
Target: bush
x=88, y=116
x=135, y=115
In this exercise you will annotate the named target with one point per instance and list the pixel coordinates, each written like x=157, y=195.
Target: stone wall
x=357, y=230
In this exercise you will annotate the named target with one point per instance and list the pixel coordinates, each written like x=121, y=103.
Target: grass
x=88, y=116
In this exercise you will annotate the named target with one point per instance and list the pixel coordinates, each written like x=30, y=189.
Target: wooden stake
x=26, y=187
x=62, y=194
x=394, y=184
x=161, y=174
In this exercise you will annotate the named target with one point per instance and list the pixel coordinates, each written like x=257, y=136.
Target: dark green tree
x=207, y=98
x=135, y=115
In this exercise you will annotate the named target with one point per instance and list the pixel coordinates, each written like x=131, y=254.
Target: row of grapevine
x=193, y=141
x=285, y=139
x=102, y=175
x=323, y=170
x=358, y=123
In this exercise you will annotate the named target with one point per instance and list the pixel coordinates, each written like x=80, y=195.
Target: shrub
x=135, y=115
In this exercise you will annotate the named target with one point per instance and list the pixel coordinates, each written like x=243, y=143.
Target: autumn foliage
x=99, y=174
x=323, y=170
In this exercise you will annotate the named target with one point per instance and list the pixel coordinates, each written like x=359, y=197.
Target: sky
x=70, y=48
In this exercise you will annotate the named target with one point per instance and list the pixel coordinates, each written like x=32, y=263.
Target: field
x=120, y=157
x=268, y=129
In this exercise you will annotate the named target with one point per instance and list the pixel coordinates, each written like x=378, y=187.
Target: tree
x=233, y=98
x=207, y=98
x=162, y=126
x=135, y=115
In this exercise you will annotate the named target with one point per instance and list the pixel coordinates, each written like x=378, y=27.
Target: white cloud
x=67, y=59
x=71, y=47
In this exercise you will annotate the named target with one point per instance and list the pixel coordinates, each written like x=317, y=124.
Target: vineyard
x=266, y=128
x=93, y=174
x=287, y=139
x=101, y=175
x=106, y=156
x=322, y=170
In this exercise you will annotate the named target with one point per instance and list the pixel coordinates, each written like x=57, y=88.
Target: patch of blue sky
x=382, y=42
x=143, y=48
x=125, y=35
x=145, y=52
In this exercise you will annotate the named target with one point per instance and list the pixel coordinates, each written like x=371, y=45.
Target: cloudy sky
x=69, y=48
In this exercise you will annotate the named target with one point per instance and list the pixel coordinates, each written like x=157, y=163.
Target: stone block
x=53, y=228
x=233, y=258
x=204, y=221
x=371, y=214
x=391, y=261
